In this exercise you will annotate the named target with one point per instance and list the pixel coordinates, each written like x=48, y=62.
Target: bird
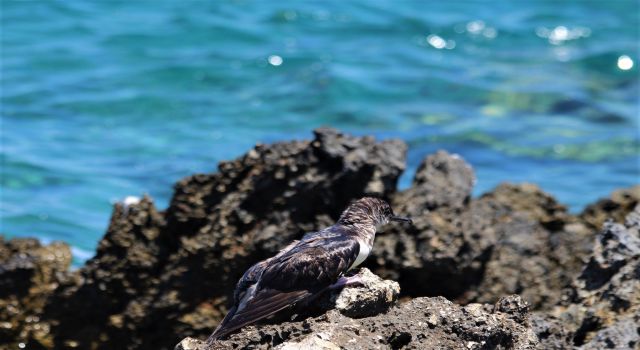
x=307, y=267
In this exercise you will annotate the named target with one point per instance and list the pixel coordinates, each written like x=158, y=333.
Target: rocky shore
x=511, y=269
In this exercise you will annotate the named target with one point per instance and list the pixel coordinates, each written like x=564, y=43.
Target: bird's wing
x=251, y=276
x=313, y=264
x=301, y=272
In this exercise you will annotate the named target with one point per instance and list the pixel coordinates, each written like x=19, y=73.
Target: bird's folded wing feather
x=253, y=273
x=312, y=264
x=301, y=272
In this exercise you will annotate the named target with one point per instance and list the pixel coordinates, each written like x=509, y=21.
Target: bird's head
x=369, y=211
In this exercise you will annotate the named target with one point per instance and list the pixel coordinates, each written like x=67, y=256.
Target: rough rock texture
x=438, y=246
x=159, y=276
x=216, y=226
x=551, y=332
x=539, y=247
x=29, y=272
x=422, y=323
x=604, y=308
x=615, y=207
x=515, y=239
x=371, y=296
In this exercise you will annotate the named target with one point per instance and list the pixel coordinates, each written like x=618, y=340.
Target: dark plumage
x=306, y=267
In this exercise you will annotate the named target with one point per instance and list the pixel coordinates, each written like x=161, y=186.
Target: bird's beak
x=401, y=219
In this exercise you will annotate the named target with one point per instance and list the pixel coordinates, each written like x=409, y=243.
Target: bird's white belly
x=365, y=249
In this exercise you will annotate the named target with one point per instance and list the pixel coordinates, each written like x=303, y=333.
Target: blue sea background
x=106, y=99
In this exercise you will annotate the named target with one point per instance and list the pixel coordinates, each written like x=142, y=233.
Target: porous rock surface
x=160, y=276
x=370, y=296
x=614, y=208
x=29, y=272
x=421, y=323
x=603, y=304
x=515, y=239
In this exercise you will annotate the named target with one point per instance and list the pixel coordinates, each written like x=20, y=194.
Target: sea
x=101, y=100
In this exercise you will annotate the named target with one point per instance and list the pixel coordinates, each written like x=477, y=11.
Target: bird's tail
x=265, y=304
x=221, y=330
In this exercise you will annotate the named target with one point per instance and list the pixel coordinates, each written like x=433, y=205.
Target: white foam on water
x=131, y=200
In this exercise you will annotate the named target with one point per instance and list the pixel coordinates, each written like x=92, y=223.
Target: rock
x=520, y=259
x=530, y=200
x=514, y=239
x=541, y=250
x=310, y=342
x=437, y=246
x=603, y=308
x=189, y=343
x=551, y=332
x=29, y=272
x=617, y=248
x=523, y=262
x=615, y=208
x=622, y=334
x=421, y=323
x=175, y=271
x=539, y=247
x=125, y=266
x=373, y=296
x=513, y=305
x=442, y=179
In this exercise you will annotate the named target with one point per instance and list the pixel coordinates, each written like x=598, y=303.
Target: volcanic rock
x=437, y=246
x=421, y=323
x=551, y=332
x=158, y=276
x=615, y=207
x=604, y=302
x=29, y=272
x=515, y=239
x=370, y=296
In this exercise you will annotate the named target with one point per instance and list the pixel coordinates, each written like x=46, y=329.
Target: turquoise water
x=105, y=99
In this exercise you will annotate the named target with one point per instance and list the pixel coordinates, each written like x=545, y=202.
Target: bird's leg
x=346, y=281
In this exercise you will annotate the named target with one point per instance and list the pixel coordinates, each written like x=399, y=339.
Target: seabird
x=308, y=267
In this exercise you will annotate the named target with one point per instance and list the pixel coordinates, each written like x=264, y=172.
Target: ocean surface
x=105, y=99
